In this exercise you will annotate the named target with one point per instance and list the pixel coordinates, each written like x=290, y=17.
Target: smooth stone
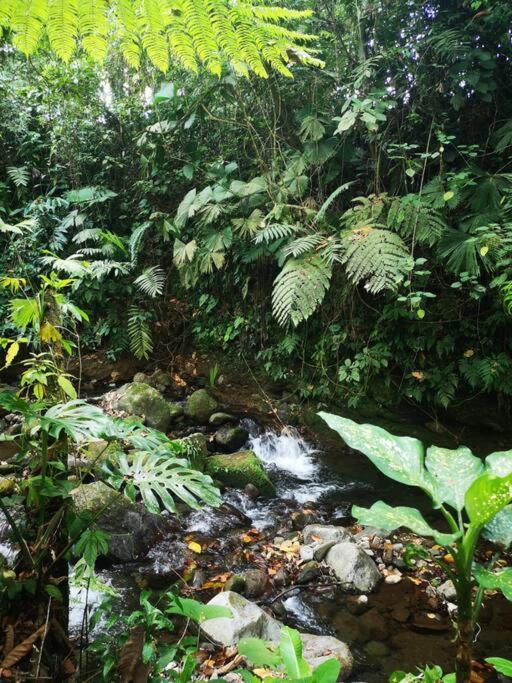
x=201, y=405
x=352, y=566
x=142, y=400
x=230, y=439
x=238, y=470
x=313, y=533
x=309, y=572
x=447, y=591
x=218, y=419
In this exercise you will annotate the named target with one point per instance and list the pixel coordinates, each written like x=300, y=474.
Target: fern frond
x=299, y=289
x=136, y=240
x=151, y=281
x=377, y=258
x=93, y=26
x=409, y=216
x=62, y=27
x=276, y=231
x=302, y=245
x=139, y=333
x=19, y=175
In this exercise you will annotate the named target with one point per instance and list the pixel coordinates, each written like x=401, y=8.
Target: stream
x=323, y=483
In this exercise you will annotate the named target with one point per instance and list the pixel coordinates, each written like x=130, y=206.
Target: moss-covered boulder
x=140, y=399
x=200, y=406
x=92, y=454
x=176, y=412
x=230, y=439
x=197, y=450
x=131, y=528
x=238, y=470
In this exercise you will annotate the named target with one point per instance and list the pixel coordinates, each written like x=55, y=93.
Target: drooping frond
x=275, y=231
x=300, y=288
x=251, y=35
x=410, y=217
x=139, y=333
x=377, y=258
x=151, y=281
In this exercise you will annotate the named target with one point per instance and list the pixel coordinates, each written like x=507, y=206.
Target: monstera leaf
x=385, y=517
x=500, y=580
x=398, y=457
x=453, y=472
x=158, y=479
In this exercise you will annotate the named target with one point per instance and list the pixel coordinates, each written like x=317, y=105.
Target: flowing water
x=329, y=480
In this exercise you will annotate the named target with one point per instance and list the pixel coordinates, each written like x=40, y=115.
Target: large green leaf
x=500, y=463
x=499, y=529
x=383, y=516
x=500, y=580
x=192, y=609
x=158, y=478
x=503, y=666
x=327, y=672
x=453, y=471
x=290, y=649
x=259, y=653
x=77, y=419
x=486, y=496
x=399, y=457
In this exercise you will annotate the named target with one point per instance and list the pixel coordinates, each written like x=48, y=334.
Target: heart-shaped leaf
x=500, y=463
x=399, y=457
x=486, y=496
x=453, y=471
x=383, y=516
x=490, y=580
x=499, y=529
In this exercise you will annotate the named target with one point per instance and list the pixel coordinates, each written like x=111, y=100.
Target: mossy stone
x=145, y=401
x=197, y=450
x=238, y=470
x=201, y=405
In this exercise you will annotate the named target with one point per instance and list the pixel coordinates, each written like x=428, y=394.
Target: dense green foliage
x=358, y=215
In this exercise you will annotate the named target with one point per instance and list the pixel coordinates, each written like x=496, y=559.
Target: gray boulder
x=218, y=419
x=200, y=406
x=231, y=439
x=132, y=529
x=314, y=533
x=142, y=400
x=353, y=567
x=250, y=621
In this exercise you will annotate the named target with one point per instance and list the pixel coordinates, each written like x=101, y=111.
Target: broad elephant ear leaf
x=500, y=580
x=499, y=463
x=383, y=516
x=453, y=472
x=398, y=457
x=499, y=529
x=259, y=653
x=327, y=672
x=486, y=496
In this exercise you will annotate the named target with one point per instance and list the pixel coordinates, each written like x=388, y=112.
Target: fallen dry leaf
x=195, y=547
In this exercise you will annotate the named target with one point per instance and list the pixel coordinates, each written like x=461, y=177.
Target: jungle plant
x=472, y=496
x=430, y=674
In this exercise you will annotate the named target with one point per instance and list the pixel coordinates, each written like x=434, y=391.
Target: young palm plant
x=473, y=497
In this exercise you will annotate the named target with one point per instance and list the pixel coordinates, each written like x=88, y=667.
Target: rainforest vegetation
x=250, y=206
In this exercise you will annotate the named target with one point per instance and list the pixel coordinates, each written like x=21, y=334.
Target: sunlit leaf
x=453, y=472
x=486, y=496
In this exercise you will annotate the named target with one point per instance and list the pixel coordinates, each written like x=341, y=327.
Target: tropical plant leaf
x=499, y=463
x=390, y=518
x=398, y=457
x=453, y=472
x=503, y=666
x=486, y=496
x=499, y=529
x=77, y=419
x=501, y=580
x=327, y=672
x=192, y=609
x=290, y=649
x=259, y=653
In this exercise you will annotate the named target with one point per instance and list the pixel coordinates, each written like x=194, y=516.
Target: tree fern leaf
x=62, y=27
x=151, y=281
x=299, y=289
x=139, y=333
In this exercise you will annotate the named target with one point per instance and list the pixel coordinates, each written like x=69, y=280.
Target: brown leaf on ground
x=131, y=654
x=15, y=654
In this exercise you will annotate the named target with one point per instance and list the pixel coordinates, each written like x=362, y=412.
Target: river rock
x=238, y=470
x=144, y=401
x=218, y=419
x=197, y=449
x=200, y=406
x=256, y=583
x=132, y=529
x=309, y=571
x=176, y=411
x=250, y=621
x=165, y=564
x=353, y=567
x=7, y=485
x=230, y=439
x=447, y=591
x=314, y=533
x=158, y=379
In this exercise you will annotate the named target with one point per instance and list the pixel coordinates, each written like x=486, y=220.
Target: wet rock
x=235, y=583
x=176, y=412
x=238, y=470
x=324, y=532
x=142, y=400
x=401, y=614
x=256, y=583
x=199, y=578
x=230, y=439
x=357, y=604
x=132, y=529
x=7, y=485
x=392, y=578
x=219, y=419
x=214, y=521
x=371, y=533
x=318, y=649
x=447, y=591
x=247, y=621
x=158, y=379
x=166, y=564
x=429, y=621
x=303, y=518
x=376, y=649
x=281, y=577
x=352, y=566
x=201, y=406
x=309, y=572
x=250, y=621
x=251, y=491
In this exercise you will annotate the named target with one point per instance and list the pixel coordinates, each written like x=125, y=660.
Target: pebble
x=393, y=578
x=369, y=552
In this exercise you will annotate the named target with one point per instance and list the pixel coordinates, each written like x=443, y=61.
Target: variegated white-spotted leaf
x=499, y=529
x=453, y=472
x=398, y=457
x=490, y=580
x=486, y=496
x=383, y=516
x=500, y=463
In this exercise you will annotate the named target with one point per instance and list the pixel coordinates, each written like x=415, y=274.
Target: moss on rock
x=140, y=399
x=201, y=405
x=240, y=469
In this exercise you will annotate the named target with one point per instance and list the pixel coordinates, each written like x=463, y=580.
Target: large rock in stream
x=355, y=570
x=200, y=406
x=132, y=529
x=250, y=621
x=144, y=401
x=239, y=469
